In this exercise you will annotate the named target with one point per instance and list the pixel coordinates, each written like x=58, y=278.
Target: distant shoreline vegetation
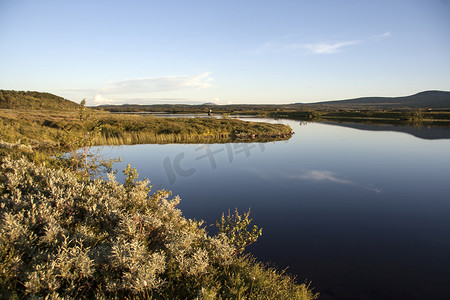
x=401, y=117
x=430, y=108
x=414, y=118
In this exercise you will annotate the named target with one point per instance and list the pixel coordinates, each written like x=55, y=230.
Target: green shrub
x=66, y=236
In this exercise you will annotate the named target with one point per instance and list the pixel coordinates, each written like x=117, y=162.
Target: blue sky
x=224, y=51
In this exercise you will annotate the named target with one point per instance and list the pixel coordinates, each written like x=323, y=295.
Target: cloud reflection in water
x=323, y=176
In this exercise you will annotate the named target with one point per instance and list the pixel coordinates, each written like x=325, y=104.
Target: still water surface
x=362, y=214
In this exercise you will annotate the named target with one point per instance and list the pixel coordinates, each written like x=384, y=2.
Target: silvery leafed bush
x=64, y=235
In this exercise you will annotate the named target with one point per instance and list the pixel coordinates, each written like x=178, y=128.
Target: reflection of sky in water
x=320, y=176
x=350, y=210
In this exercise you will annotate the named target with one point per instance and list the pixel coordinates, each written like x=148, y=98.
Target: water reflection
x=423, y=132
x=362, y=214
x=323, y=175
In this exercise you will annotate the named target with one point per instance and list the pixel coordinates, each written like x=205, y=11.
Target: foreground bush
x=67, y=236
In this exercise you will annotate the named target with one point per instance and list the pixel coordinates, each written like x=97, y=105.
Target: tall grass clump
x=68, y=236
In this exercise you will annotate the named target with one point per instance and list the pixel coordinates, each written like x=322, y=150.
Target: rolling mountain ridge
x=426, y=99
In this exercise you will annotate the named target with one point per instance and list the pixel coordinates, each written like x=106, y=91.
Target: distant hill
x=427, y=99
x=39, y=100
x=34, y=100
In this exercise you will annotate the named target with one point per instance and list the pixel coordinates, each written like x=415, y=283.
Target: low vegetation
x=63, y=235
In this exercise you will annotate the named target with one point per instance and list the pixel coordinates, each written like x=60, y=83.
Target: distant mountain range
x=423, y=100
x=427, y=99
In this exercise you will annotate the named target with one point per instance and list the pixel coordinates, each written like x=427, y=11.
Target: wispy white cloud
x=142, y=90
x=158, y=84
x=99, y=100
x=295, y=48
x=383, y=36
x=288, y=45
x=330, y=48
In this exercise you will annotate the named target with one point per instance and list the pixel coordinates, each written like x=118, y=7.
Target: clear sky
x=224, y=51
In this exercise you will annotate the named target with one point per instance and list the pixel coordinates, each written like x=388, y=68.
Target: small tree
x=82, y=111
x=235, y=228
x=84, y=161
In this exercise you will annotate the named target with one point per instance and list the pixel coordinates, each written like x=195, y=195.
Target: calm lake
x=362, y=213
